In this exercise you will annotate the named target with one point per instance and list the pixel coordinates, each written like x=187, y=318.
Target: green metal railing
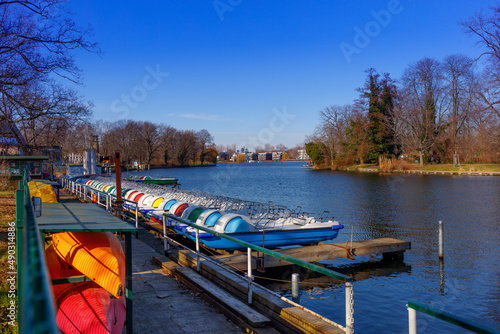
x=34, y=294
x=453, y=319
x=349, y=328
x=321, y=270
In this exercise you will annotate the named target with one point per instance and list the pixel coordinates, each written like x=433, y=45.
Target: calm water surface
x=406, y=207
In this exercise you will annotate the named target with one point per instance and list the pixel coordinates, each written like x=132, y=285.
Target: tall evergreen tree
x=378, y=97
x=386, y=108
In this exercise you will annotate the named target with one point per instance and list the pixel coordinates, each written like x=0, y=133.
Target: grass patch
x=356, y=167
x=7, y=207
x=461, y=168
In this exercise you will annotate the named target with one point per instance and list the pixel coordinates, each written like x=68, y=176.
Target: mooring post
x=249, y=274
x=349, y=308
x=440, y=239
x=197, y=250
x=412, y=321
x=295, y=287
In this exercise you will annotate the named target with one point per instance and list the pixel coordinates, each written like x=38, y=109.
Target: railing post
x=349, y=308
x=165, y=242
x=412, y=321
x=249, y=274
x=136, y=215
x=197, y=250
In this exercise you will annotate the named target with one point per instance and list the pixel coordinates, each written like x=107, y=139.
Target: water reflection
x=406, y=207
x=279, y=278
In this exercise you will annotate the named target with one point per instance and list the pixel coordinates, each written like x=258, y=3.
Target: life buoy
x=94, y=198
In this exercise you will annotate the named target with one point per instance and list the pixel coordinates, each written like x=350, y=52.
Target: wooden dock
x=389, y=247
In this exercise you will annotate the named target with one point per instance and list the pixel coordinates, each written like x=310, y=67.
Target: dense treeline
x=144, y=142
x=439, y=110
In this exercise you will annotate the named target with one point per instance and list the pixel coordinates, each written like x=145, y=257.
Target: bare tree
x=334, y=123
x=461, y=87
x=422, y=105
x=36, y=43
x=150, y=138
x=486, y=28
x=204, y=139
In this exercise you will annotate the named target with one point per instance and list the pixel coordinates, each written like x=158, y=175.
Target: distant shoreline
x=470, y=170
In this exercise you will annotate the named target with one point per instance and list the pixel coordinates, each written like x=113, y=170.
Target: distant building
x=302, y=155
x=223, y=156
x=10, y=139
x=13, y=159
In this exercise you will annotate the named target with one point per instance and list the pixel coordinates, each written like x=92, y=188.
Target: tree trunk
x=421, y=158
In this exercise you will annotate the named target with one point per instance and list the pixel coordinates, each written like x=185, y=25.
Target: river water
x=406, y=207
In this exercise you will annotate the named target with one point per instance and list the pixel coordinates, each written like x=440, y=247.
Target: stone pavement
x=163, y=305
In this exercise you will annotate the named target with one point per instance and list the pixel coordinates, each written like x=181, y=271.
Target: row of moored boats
x=262, y=224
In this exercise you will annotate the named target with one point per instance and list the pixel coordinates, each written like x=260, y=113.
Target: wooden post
x=118, y=173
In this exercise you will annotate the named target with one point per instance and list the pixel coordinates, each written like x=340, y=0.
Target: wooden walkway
x=390, y=247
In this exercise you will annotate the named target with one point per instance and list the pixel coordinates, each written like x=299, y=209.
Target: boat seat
x=232, y=223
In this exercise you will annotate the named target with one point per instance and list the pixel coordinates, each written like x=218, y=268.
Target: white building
x=302, y=155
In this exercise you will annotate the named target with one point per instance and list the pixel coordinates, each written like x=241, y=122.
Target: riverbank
x=438, y=169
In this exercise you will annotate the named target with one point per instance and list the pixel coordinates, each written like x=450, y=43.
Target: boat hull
x=83, y=307
x=97, y=255
x=270, y=239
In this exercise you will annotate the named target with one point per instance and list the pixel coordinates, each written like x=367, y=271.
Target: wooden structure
x=389, y=247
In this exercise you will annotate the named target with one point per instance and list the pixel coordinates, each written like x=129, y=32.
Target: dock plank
x=320, y=252
x=253, y=317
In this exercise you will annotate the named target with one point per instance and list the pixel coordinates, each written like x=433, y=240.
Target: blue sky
x=254, y=72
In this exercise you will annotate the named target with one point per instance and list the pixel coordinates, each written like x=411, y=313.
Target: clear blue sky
x=233, y=64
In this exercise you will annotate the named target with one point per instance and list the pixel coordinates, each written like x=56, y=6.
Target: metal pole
x=295, y=287
x=136, y=215
x=440, y=239
x=349, y=308
x=85, y=193
x=249, y=274
x=412, y=321
x=197, y=250
x=128, y=286
x=165, y=243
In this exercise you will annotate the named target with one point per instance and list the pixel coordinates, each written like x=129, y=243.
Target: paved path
x=163, y=305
